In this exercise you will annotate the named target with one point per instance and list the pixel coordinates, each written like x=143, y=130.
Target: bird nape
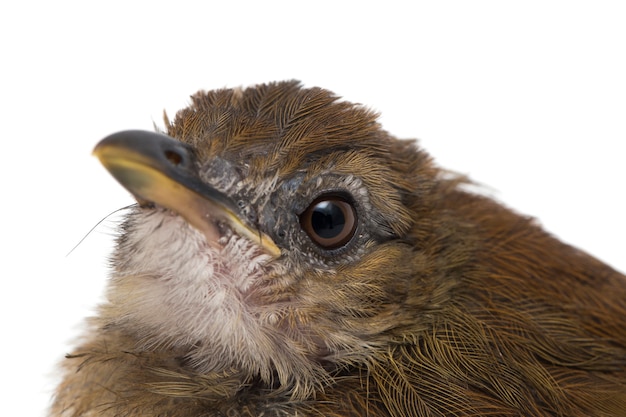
x=287, y=256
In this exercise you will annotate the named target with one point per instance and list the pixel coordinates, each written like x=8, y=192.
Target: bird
x=287, y=256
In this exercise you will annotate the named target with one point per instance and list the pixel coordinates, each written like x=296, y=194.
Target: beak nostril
x=174, y=157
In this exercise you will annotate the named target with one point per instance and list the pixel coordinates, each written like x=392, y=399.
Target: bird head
x=279, y=232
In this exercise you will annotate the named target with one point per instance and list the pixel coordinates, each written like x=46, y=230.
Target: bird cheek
x=278, y=223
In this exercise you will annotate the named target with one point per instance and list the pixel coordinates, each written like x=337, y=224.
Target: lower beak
x=158, y=169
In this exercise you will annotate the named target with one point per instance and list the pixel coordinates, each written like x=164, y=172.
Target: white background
x=526, y=97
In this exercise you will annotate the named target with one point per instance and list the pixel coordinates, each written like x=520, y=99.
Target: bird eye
x=330, y=221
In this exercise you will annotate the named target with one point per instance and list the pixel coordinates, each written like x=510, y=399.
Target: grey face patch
x=221, y=174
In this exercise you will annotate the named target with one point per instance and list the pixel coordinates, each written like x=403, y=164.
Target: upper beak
x=158, y=169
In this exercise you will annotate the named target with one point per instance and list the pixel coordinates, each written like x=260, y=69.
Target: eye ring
x=330, y=221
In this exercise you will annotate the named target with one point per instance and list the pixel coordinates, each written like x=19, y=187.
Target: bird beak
x=158, y=169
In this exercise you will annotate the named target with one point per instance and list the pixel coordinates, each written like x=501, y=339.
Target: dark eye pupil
x=330, y=221
x=327, y=219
